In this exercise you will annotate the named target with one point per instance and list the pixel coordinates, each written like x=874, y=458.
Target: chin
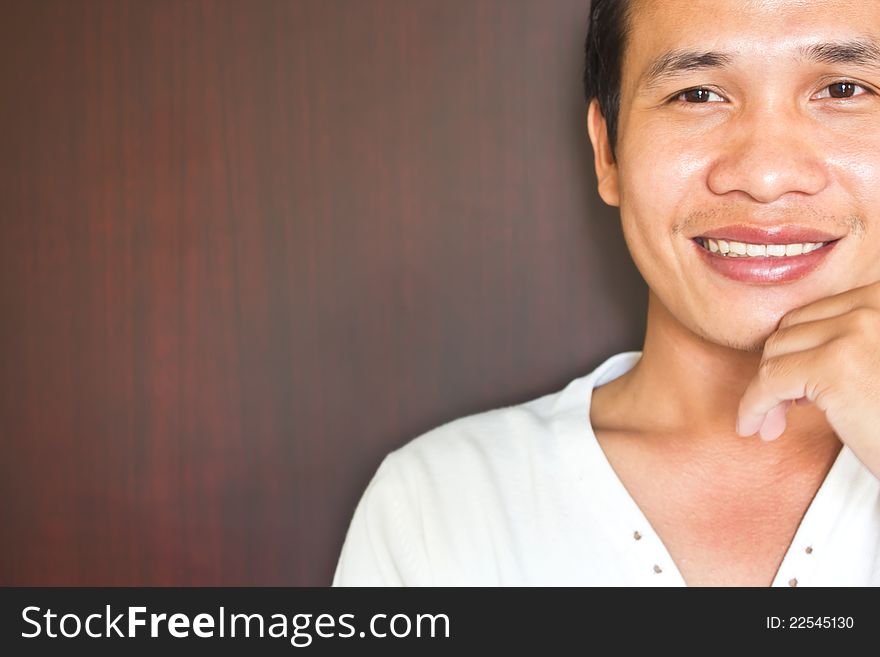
x=721, y=326
x=746, y=339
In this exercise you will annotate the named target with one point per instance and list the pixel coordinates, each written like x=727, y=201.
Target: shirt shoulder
x=438, y=505
x=492, y=438
x=433, y=493
x=518, y=435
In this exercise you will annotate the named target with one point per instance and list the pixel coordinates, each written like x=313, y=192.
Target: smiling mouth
x=732, y=249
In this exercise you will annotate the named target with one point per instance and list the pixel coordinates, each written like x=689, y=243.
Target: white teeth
x=732, y=249
x=756, y=250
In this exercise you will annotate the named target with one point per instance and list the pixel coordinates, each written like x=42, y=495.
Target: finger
x=832, y=306
x=779, y=379
x=802, y=336
x=803, y=401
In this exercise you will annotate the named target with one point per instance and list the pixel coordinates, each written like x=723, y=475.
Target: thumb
x=774, y=422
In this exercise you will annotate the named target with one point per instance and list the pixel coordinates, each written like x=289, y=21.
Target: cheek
x=662, y=172
x=856, y=167
x=660, y=185
x=858, y=172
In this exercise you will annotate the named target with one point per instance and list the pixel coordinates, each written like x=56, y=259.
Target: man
x=741, y=141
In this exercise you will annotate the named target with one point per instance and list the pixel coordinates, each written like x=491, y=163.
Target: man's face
x=784, y=133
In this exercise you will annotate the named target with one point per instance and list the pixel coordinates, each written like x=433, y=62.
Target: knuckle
x=865, y=320
x=839, y=358
x=841, y=353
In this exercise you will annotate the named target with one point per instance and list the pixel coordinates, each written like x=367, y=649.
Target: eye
x=842, y=90
x=698, y=95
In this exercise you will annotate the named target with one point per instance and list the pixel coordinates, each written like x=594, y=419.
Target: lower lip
x=767, y=269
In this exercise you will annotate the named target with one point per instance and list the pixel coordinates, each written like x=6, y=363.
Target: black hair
x=606, y=38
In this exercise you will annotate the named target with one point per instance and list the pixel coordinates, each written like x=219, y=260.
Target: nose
x=768, y=157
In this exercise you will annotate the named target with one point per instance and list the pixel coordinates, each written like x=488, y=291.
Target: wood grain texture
x=248, y=248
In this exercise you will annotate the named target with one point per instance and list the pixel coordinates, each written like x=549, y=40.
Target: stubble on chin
x=752, y=344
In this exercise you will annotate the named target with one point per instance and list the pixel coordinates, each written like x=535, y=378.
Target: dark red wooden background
x=250, y=247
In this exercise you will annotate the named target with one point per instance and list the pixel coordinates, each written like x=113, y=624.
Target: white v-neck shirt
x=524, y=495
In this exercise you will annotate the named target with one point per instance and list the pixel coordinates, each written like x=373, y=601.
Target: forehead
x=760, y=29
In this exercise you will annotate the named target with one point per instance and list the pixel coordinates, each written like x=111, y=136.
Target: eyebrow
x=863, y=52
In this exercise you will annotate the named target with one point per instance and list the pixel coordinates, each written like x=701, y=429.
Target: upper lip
x=788, y=234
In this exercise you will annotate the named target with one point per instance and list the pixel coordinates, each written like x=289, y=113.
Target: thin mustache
x=852, y=223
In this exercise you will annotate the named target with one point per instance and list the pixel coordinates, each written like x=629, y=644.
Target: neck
x=688, y=389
